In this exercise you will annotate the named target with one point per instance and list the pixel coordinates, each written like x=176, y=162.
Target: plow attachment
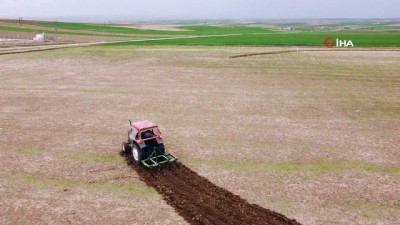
x=155, y=159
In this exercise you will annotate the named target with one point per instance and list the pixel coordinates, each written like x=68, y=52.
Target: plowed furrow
x=200, y=197
x=199, y=201
x=209, y=191
x=176, y=191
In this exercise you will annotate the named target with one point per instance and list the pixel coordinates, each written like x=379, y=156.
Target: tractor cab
x=143, y=133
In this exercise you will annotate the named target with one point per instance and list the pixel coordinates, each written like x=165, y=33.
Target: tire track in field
x=199, y=201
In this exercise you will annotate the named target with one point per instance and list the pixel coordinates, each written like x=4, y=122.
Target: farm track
x=199, y=201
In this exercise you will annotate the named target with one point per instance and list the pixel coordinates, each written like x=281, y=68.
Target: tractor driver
x=147, y=134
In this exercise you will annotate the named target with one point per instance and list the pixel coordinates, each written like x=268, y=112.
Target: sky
x=200, y=10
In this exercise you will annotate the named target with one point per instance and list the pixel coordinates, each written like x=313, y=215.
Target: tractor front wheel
x=137, y=153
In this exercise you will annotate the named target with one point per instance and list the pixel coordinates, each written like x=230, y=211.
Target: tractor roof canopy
x=142, y=125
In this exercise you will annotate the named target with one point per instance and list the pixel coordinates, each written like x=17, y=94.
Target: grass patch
x=99, y=157
x=283, y=204
x=331, y=167
x=43, y=182
x=102, y=134
x=133, y=188
x=320, y=167
x=375, y=211
x=29, y=151
x=21, y=150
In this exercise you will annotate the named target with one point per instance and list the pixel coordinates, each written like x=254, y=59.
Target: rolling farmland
x=289, y=132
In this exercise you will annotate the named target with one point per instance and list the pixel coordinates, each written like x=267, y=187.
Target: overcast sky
x=203, y=9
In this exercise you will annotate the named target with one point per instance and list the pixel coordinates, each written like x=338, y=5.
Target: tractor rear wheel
x=137, y=153
x=126, y=148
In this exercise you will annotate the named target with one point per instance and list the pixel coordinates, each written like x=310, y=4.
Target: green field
x=362, y=34
x=30, y=30
x=311, y=39
x=74, y=28
x=188, y=30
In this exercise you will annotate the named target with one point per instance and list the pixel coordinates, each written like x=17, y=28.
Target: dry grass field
x=312, y=135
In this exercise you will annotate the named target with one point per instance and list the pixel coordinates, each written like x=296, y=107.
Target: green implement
x=155, y=159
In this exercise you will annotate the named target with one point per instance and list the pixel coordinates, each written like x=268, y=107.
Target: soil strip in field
x=314, y=50
x=199, y=201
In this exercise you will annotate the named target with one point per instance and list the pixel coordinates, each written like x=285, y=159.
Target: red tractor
x=146, y=145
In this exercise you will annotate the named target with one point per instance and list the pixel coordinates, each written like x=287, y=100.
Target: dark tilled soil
x=201, y=202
